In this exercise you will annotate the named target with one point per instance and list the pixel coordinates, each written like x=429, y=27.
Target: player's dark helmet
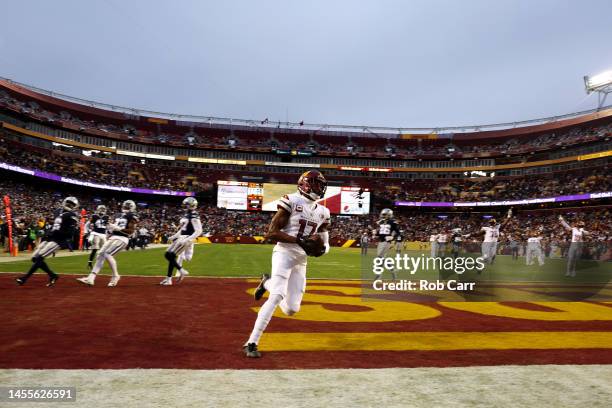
x=190, y=203
x=70, y=204
x=312, y=185
x=128, y=206
x=101, y=210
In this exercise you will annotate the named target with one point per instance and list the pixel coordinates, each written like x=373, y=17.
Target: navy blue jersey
x=124, y=222
x=387, y=228
x=64, y=226
x=186, y=222
x=98, y=223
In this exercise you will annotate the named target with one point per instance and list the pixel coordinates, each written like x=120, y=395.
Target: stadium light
x=597, y=82
x=600, y=83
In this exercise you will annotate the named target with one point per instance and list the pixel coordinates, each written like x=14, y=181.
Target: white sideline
x=5, y=258
x=492, y=386
x=190, y=277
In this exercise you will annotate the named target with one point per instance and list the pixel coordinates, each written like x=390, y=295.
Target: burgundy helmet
x=312, y=185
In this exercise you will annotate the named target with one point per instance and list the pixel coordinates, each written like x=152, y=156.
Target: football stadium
x=180, y=259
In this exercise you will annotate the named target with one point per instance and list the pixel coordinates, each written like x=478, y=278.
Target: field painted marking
x=389, y=311
x=404, y=341
x=348, y=243
x=563, y=311
x=377, y=311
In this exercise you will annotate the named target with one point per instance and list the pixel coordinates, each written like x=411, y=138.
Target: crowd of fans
x=197, y=179
x=263, y=139
x=514, y=188
x=105, y=171
x=33, y=211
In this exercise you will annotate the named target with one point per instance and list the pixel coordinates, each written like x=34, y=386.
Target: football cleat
x=261, y=289
x=52, y=280
x=251, y=351
x=114, y=281
x=20, y=281
x=86, y=281
x=180, y=275
x=166, y=282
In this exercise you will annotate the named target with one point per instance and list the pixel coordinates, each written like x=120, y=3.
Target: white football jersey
x=534, y=240
x=442, y=238
x=577, y=234
x=305, y=219
x=491, y=233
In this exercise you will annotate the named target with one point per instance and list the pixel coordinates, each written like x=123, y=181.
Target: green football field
x=233, y=260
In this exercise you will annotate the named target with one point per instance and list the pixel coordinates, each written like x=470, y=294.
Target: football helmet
x=128, y=206
x=312, y=185
x=190, y=203
x=101, y=210
x=70, y=203
x=386, y=214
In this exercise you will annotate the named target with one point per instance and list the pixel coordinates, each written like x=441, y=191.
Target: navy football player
x=456, y=240
x=121, y=231
x=399, y=242
x=63, y=230
x=386, y=230
x=181, y=248
x=97, y=232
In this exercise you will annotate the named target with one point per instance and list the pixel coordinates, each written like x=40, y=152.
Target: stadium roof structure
x=481, y=131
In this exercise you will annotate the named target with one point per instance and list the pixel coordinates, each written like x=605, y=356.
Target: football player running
x=386, y=231
x=456, y=240
x=63, y=230
x=300, y=229
x=120, y=233
x=181, y=247
x=97, y=232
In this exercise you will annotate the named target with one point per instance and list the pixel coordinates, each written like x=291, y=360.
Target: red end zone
x=203, y=323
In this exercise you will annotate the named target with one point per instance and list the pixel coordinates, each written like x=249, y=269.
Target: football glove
x=312, y=245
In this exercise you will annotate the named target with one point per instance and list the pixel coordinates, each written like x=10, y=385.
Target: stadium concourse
x=139, y=337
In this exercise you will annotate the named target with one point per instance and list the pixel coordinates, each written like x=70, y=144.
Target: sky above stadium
x=377, y=62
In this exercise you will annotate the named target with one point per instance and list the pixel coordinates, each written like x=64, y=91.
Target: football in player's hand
x=313, y=245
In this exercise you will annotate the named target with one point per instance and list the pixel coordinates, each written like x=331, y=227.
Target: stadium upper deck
x=268, y=139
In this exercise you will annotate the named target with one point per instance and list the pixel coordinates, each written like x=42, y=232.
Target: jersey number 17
x=303, y=225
